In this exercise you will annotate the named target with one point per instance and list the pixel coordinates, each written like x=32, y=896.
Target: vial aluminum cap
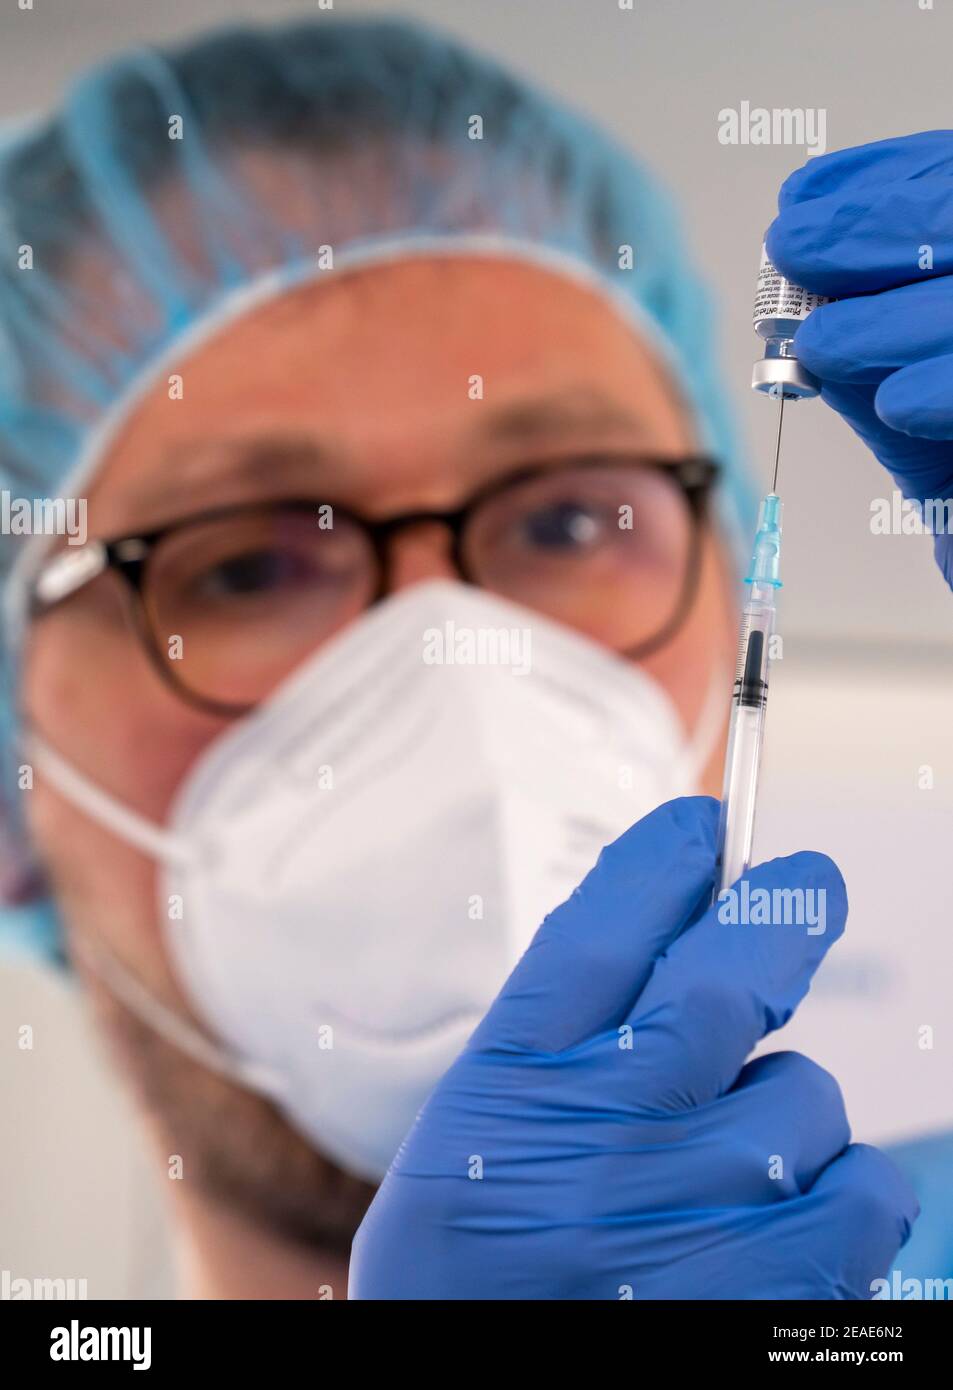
x=784, y=376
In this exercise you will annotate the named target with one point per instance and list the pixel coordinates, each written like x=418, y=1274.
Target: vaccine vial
x=779, y=308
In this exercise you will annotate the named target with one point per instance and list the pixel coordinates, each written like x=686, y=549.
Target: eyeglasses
x=228, y=602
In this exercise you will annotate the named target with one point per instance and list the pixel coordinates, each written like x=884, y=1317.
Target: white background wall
x=862, y=698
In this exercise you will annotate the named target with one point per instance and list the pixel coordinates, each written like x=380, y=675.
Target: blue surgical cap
x=135, y=219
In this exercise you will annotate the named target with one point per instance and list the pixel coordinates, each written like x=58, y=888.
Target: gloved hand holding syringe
x=779, y=308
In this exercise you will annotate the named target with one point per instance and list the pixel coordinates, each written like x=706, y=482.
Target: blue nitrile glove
x=601, y=1135
x=873, y=226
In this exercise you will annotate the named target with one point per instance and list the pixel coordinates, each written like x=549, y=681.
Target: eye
x=254, y=572
x=564, y=525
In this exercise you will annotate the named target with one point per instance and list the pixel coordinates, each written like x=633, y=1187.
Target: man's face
x=356, y=391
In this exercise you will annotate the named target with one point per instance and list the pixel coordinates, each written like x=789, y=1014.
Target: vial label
x=777, y=298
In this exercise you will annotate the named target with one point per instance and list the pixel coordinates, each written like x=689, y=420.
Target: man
x=321, y=323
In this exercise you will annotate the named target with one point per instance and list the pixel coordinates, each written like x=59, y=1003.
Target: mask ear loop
x=129, y=991
x=713, y=718
x=709, y=726
x=107, y=811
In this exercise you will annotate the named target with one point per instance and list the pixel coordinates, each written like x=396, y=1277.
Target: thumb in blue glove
x=601, y=1136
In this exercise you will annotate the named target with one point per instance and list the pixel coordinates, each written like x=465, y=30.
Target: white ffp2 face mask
x=360, y=862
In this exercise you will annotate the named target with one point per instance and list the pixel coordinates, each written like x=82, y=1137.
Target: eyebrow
x=205, y=469
x=219, y=471
x=576, y=412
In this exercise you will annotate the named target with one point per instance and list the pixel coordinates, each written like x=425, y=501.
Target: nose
x=419, y=552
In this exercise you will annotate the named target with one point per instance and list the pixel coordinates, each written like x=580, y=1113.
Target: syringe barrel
x=739, y=797
x=745, y=739
x=754, y=647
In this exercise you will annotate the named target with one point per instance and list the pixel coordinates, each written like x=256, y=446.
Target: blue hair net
x=136, y=215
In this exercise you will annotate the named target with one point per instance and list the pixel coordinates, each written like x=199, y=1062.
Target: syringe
x=749, y=701
x=779, y=310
